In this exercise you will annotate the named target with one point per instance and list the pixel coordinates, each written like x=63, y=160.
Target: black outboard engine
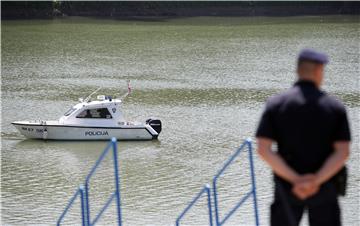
x=155, y=124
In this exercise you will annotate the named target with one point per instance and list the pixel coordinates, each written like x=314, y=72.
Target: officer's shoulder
x=277, y=99
x=332, y=101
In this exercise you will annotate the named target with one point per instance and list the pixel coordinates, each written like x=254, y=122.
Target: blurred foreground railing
x=83, y=191
x=251, y=193
x=79, y=193
x=206, y=190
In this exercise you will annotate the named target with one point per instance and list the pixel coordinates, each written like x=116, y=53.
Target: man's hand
x=305, y=186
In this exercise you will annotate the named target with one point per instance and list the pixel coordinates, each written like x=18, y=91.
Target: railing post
x=87, y=207
x=117, y=180
x=83, y=210
x=83, y=191
x=253, y=182
x=252, y=193
x=217, y=220
x=79, y=192
x=207, y=187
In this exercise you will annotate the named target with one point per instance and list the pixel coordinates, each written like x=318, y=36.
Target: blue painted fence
x=79, y=193
x=251, y=193
x=83, y=192
x=205, y=190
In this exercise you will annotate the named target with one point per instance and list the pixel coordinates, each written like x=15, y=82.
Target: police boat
x=98, y=119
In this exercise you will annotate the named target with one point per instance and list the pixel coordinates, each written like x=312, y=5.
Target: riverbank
x=49, y=10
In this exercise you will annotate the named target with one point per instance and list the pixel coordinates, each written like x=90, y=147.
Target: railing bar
x=84, y=190
x=217, y=221
x=83, y=212
x=231, y=212
x=252, y=174
x=68, y=206
x=103, y=209
x=191, y=204
x=117, y=180
x=205, y=189
x=99, y=160
x=209, y=204
x=87, y=203
x=230, y=160
x=253, y=189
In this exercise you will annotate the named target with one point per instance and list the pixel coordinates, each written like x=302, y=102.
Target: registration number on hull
x=32, y=129
x=27, y=129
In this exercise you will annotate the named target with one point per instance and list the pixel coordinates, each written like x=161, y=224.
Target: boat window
x=70, y=111
x=95, y=113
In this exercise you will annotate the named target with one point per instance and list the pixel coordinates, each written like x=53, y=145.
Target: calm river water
x=205, y=78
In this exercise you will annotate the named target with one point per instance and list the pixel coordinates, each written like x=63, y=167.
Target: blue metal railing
x=112, y=145
x=252, y=192
x=83, y=191
x=206, y=190
x=78, y=193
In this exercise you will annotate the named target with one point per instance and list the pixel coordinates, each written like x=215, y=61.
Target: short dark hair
x=300, y=61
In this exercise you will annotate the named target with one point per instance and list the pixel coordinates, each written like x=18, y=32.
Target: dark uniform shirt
x=305, y=122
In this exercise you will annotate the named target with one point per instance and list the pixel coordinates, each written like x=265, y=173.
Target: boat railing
x=83, y=191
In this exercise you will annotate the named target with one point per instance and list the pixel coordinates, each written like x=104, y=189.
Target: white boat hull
x=55, y=131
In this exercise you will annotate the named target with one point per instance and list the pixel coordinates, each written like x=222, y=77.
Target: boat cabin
x=104, y=111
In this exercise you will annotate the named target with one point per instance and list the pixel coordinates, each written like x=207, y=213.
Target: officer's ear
x=319, y=74
x=319, y=69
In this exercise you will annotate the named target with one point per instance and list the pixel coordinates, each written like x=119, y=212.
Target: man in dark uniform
x=313, y=140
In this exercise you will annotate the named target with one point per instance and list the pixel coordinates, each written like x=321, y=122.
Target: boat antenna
x=88, y=97
x=128, y=92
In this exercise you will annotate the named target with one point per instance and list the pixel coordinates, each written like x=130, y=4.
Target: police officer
x=312, y=134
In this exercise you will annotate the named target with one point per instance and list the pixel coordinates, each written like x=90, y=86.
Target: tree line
x=51, y=9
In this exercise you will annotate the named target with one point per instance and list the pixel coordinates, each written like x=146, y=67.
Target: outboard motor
x=155, y=124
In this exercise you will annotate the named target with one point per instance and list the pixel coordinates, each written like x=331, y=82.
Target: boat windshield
x=70, y=111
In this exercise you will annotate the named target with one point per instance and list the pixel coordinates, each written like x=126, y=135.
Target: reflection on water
x=205, y=78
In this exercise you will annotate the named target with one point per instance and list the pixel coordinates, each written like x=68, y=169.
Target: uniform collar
x=305, y=83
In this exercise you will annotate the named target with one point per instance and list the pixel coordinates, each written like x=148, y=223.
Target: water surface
x=205, y=78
